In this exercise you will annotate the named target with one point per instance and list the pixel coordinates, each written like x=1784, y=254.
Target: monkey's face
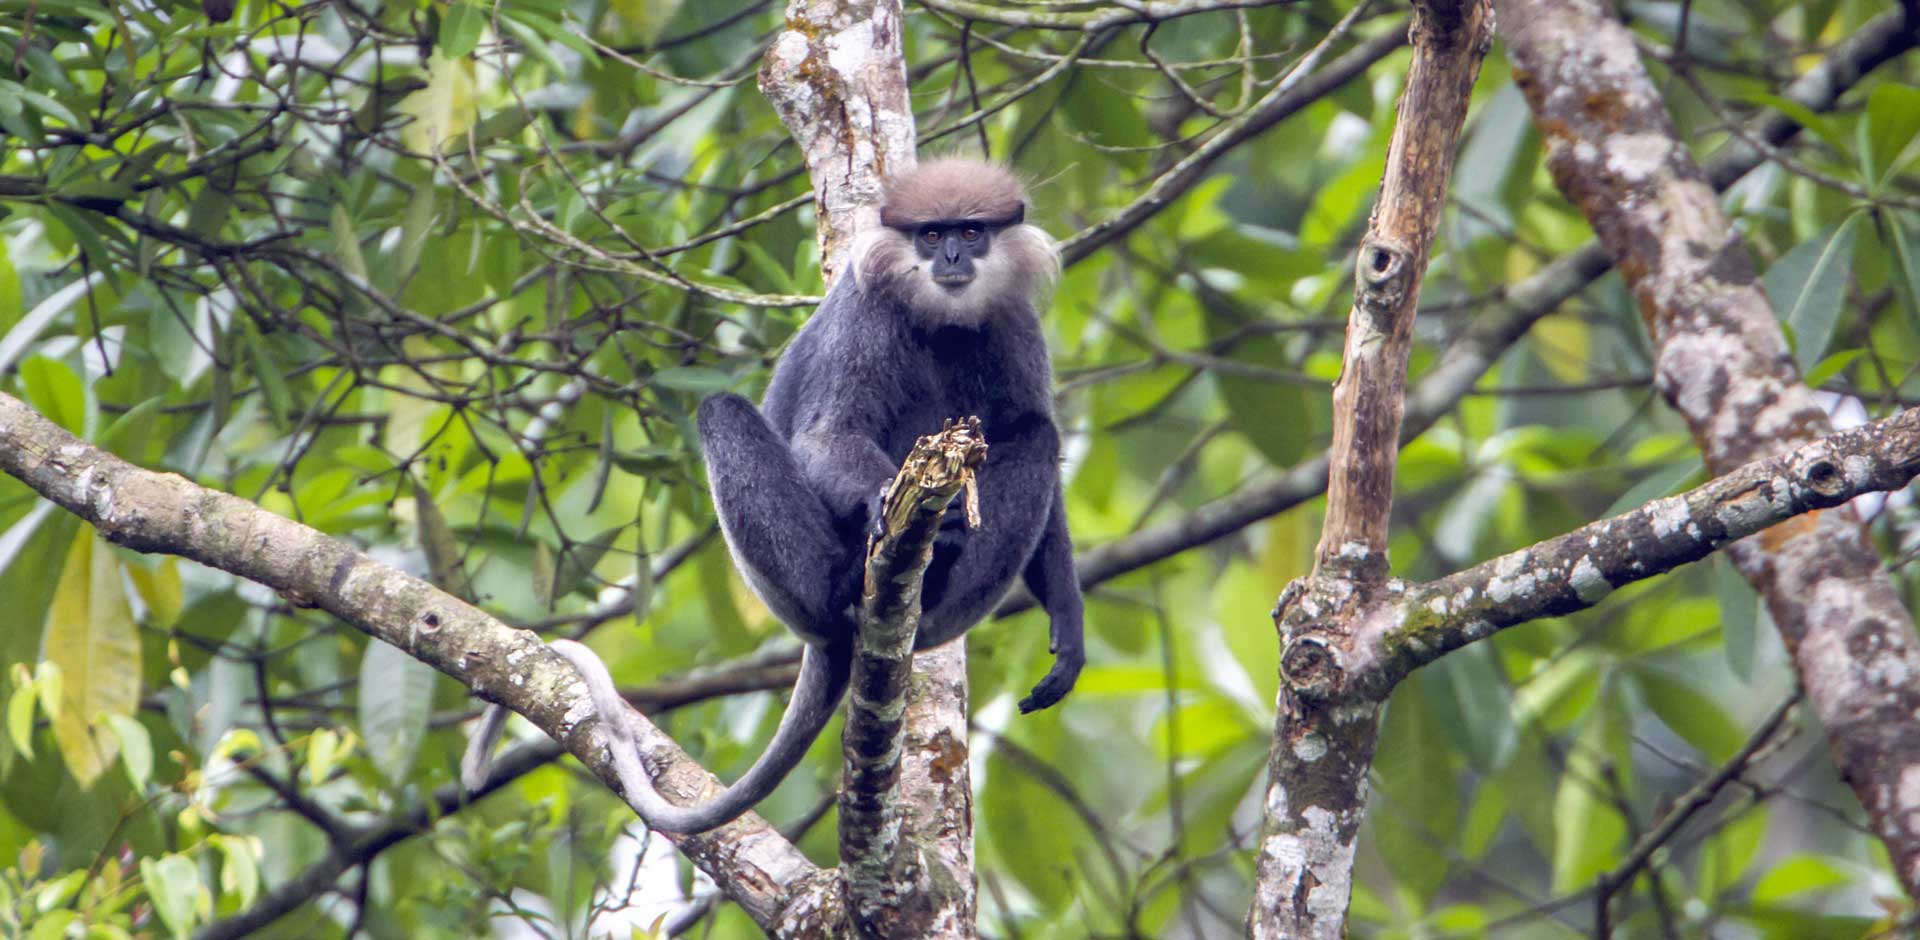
x=950, y=249
x=956, y=271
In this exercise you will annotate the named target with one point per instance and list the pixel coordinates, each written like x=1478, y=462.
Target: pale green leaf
x=90, y=636
x=136, y=749
x=396, y=699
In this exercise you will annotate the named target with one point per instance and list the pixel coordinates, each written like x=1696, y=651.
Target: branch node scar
x=1311, y=666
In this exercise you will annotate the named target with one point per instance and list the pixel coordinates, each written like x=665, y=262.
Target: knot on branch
x=1312, y=667
x=1382, y=277
x=1820, y=473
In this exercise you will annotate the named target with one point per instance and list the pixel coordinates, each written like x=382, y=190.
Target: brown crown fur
x=952, y=189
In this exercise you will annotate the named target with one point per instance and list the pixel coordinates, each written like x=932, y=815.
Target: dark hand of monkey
x=1058, y=682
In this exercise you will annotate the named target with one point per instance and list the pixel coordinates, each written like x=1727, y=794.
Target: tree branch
x=1492, y=332
x=1317, y=763
x=889, y=892
x=163, y=512
x=1418, y=623
x=1721, y=361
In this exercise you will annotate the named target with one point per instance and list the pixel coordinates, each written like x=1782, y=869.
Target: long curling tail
x=477, y=763
x=823, y=680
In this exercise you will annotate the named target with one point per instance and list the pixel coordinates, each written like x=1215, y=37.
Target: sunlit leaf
x=90, y=635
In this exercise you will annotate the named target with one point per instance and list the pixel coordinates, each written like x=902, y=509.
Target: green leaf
x=460, y=29
x=1739, y=614
x=1893, y=231
x=1807, y=286
x=1805, y=117
x=1417, y=808
x=20, y=718
x=53, y=925
x=90, y=637
x=1586, y=827
x=280, y=405
x=1798, y=874
x=173, y=885
x=56, y=392
x=136, y=749
x=1693, y=716
x=133, y=426
x=698, y=379
x=345, y=245
x=1831, y=366
x=413, y=233
x=578, y=561
x=239, y=868
x=323, y=751
x=396, y=699
x=1893, y=119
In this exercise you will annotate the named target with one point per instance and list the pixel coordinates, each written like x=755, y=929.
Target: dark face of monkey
x=951, y=247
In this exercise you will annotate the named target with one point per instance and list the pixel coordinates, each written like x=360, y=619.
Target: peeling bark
x=838, y=80
x=1721, y=361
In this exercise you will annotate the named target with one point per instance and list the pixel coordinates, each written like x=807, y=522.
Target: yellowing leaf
x=90, y=636
x=159, y=588
x=1563, y=342
x=445, y=108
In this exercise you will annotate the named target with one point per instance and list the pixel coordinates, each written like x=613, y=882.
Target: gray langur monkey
x=934, y=320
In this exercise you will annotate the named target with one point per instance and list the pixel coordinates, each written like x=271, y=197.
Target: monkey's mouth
x=953, y=282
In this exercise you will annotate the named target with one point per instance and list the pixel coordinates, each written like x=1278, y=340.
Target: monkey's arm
x=1051, y=578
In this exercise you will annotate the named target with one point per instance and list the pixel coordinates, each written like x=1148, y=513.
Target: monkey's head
x=953, y=245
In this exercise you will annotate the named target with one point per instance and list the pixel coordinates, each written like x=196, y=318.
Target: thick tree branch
x=1449, y=41
x=1415, y=624
x=888, y=891
x=1317, y=763
x=837, y=78
x=1721, y=361
x=163, y=512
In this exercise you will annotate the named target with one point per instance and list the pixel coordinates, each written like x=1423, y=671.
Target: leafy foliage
x=447, y=279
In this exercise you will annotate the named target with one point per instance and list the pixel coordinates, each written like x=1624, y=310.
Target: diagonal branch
x=1416, y=624
x=1722, y=363
x=162, y=512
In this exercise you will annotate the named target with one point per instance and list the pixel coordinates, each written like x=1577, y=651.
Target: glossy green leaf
x=460, y=29
x=1807, y=286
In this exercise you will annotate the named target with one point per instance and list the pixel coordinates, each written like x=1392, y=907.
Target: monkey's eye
x=970, y=234
x=930, y=236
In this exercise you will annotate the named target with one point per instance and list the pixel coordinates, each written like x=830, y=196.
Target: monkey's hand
x=1058, y=682
x=876, y=515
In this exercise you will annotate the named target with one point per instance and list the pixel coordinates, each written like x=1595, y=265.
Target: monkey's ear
x=1019, y=215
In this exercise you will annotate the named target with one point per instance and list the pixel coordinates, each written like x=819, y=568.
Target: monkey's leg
x=823, y=680
x=1054, y=583
x=779, y=531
